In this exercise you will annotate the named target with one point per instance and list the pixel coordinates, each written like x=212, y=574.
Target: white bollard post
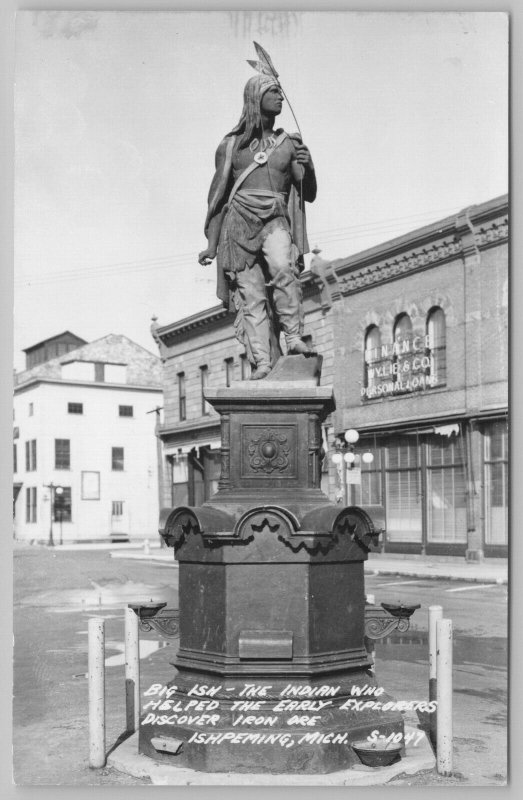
x=444, y=696
x=96, y=667
x=435, y=613
x=132, y=670
x=370, y=647
x=146, y=548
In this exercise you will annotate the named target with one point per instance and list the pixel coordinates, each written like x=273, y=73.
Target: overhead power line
x=181, y=260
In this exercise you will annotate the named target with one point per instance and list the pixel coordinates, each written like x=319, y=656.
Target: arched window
x=401, y=345
x=437, y=346
x=372, y=357
x=402, y=328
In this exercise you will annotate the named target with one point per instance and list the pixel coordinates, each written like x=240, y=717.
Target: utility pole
x=159, y=458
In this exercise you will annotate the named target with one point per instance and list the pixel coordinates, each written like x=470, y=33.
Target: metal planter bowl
x=399, y=610
x=146, y=610
x=377, y=754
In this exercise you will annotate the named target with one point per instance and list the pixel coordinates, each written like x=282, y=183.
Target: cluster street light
x=347, y=462
x=53, y=492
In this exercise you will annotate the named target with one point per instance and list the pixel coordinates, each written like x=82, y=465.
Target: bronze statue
x=256, y=224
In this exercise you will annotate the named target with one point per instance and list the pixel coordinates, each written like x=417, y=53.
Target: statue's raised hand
x=303, y=155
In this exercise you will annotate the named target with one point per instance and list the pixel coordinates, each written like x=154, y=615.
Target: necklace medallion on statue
x=264, y=144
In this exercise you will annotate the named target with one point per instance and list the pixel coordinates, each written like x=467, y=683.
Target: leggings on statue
x=278, y=252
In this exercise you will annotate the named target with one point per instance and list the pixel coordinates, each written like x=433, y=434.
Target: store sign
x=418, y=344
x=408, y=376
x=353, y=475
x=409, y=368
x=90, y=485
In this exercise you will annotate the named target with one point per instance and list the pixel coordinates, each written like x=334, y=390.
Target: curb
x=432, y=576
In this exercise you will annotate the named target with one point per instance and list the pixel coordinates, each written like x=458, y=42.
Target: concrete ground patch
x=127, y=759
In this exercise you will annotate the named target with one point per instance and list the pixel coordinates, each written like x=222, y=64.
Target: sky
x=118, y=116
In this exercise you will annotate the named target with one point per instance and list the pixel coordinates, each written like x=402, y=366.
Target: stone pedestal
x=271, y=595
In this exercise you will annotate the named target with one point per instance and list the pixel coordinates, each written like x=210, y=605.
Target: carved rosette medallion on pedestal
x=271, y=587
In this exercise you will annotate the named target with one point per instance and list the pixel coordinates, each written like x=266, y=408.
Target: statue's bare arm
x=215, y=223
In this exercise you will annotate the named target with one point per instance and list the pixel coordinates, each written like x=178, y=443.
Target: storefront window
x=371, y=478
x=212, y=472
x=496, y=483
x=180, y=480
x=446, y=490
x=205, y=474
x=403, y=491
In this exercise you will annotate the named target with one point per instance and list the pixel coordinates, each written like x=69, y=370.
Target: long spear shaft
x=265, y=65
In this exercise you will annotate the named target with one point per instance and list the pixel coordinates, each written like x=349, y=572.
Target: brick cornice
x=211, y=317
x=475, y=228
x=390, y=269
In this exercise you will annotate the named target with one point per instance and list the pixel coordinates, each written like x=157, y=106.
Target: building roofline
x=202, y=318
x=52, y=339
x=89, y=384
x=420, y=236
x=415, y=238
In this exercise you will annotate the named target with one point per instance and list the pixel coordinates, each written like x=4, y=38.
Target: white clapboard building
x=84, y=444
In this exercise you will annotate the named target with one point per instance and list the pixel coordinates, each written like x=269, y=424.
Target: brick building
x=413, y=334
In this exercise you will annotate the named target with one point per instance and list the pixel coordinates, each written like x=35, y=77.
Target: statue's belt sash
x=263, y=203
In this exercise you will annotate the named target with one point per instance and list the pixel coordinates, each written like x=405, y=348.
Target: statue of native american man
x=256, y=224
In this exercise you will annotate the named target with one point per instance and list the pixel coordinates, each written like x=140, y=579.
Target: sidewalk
x=491, y=570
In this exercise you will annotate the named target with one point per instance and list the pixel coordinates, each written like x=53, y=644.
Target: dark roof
x=65, y=336
x=143, y=368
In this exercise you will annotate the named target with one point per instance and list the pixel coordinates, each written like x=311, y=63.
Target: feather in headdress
x=266, y=67
x=265, y=58
x=259, y=66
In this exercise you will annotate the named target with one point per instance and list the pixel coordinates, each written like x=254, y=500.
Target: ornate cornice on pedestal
x=318, y=530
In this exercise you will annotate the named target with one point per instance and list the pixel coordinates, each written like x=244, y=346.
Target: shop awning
x=212, y=444
x=185, y=449
x=441, y=430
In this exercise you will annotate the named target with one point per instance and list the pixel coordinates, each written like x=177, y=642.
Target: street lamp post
x=59, y=491
x=345, y=459
x=53, y=491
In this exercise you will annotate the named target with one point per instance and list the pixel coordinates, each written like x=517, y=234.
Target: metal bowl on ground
x=378, y=753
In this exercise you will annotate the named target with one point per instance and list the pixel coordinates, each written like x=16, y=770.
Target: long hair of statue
x=250, y=121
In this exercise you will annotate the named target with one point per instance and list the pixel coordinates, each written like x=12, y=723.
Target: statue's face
x=272, y=100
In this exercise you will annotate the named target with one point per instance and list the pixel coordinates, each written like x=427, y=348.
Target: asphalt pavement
x=58, y=589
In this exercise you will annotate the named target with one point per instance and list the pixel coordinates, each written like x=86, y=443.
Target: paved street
x=479, y=617
x=57, y=591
